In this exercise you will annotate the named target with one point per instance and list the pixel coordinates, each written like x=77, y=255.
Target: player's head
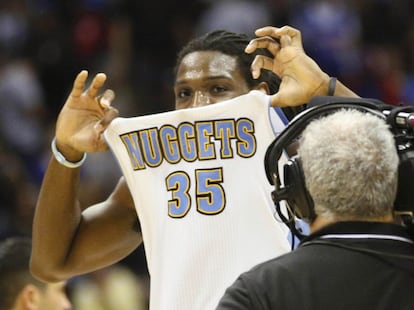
x=214, y=68
x=18, y=288
x=350, y=165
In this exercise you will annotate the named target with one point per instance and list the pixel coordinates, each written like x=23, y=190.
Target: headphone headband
x=293, y=190
x=318, y=107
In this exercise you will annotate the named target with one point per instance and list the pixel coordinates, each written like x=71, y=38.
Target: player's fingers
x=109, y=114
x=79, y=83
x=277, y=33
x=294, y=35
x=261, y=62
x=106, y=99
x=266, y=31
x=285, y=40
x=267, y=42
x=96, y=84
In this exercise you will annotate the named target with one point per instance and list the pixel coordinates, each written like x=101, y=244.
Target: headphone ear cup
x=298, y=197
x=290, y=186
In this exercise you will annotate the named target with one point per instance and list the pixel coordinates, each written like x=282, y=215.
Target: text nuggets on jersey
x=149, y=147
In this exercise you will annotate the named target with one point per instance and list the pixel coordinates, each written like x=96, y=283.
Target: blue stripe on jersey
x=282, y=115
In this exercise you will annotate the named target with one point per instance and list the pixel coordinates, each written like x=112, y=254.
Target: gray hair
x=350, y=164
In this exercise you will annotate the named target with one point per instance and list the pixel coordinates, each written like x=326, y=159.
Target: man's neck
x=323, y=221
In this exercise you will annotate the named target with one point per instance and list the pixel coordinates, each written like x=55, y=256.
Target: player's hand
x=301, y=77
x=84, y=117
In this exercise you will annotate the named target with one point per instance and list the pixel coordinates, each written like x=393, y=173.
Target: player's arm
x=67, y=240
x=301, y=77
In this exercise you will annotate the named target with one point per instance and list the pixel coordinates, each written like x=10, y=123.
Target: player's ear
x=262, y=86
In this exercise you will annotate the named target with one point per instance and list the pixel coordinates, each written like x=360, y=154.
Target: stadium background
x=369, y=45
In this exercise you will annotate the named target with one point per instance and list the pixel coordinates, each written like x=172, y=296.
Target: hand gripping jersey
x=200, y=190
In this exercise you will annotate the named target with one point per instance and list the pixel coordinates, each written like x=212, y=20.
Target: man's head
x=18, y=288
x=350, y=164
x=214, y=68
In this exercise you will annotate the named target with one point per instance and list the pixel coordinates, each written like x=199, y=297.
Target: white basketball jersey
x=204, y=203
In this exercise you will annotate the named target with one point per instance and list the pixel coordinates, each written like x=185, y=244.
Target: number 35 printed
x=210, y=197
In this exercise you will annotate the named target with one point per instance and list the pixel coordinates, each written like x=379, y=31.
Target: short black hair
x=234, y=44
x=14, y=269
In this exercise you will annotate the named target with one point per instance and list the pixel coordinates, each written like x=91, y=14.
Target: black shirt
x=347, y=265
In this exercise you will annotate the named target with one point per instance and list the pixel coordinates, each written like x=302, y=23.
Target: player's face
x=55, y=298
x=207, y=77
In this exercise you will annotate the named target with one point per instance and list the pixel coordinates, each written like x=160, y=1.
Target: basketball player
x=200, y=237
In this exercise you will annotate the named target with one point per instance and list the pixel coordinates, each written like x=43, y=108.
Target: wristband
x=62, y=160
x=332, y=86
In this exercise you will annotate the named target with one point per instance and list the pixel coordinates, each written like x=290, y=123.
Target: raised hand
x=84, y=117
x=301, y=77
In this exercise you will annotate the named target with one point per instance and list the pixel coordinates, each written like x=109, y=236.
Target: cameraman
x=356, y=257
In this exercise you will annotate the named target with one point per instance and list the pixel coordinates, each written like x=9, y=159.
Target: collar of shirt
x=362, y=230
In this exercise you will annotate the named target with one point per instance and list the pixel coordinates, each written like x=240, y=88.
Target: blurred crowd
x=369, y=45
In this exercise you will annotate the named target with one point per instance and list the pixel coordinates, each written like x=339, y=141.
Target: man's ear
x=29, y=297
x=263, y=87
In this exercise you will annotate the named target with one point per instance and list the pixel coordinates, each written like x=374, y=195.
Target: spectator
x=19, y=290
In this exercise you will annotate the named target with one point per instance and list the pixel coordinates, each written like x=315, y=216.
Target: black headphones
x=292, y=188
